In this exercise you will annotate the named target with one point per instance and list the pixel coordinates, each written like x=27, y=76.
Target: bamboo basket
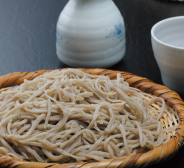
x=145, y=86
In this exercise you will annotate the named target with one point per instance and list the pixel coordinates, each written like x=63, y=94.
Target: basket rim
x=158, y=154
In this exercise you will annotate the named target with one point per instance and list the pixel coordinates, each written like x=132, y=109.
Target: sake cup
x=167, y=37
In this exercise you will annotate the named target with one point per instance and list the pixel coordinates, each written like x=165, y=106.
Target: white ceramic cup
x=167, y=38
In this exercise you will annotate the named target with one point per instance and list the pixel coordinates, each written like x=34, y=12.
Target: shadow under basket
x=173, y=116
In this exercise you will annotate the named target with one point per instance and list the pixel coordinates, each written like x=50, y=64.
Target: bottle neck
x=88, y=3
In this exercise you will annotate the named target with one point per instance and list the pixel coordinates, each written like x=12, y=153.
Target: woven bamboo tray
x=148, y=88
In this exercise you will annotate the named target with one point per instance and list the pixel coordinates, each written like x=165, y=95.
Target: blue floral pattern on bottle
x=59, y=38
x=116, y=32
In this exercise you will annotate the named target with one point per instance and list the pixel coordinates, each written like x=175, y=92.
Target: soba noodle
x=70, y=116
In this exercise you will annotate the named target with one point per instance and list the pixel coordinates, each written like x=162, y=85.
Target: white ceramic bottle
x=90, y=34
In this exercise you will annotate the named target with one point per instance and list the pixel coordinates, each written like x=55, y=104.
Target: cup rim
x=162, y=22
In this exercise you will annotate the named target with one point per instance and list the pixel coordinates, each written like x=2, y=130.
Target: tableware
x=174, y=0
x=148, y=89
x=90, y=33
x=167, y=38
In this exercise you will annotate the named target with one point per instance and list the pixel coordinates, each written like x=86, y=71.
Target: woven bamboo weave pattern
x=160, y=153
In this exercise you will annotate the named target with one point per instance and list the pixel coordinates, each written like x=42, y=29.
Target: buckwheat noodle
x=68, y=115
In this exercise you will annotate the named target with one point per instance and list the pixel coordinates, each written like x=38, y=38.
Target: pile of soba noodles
x=69, y=116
